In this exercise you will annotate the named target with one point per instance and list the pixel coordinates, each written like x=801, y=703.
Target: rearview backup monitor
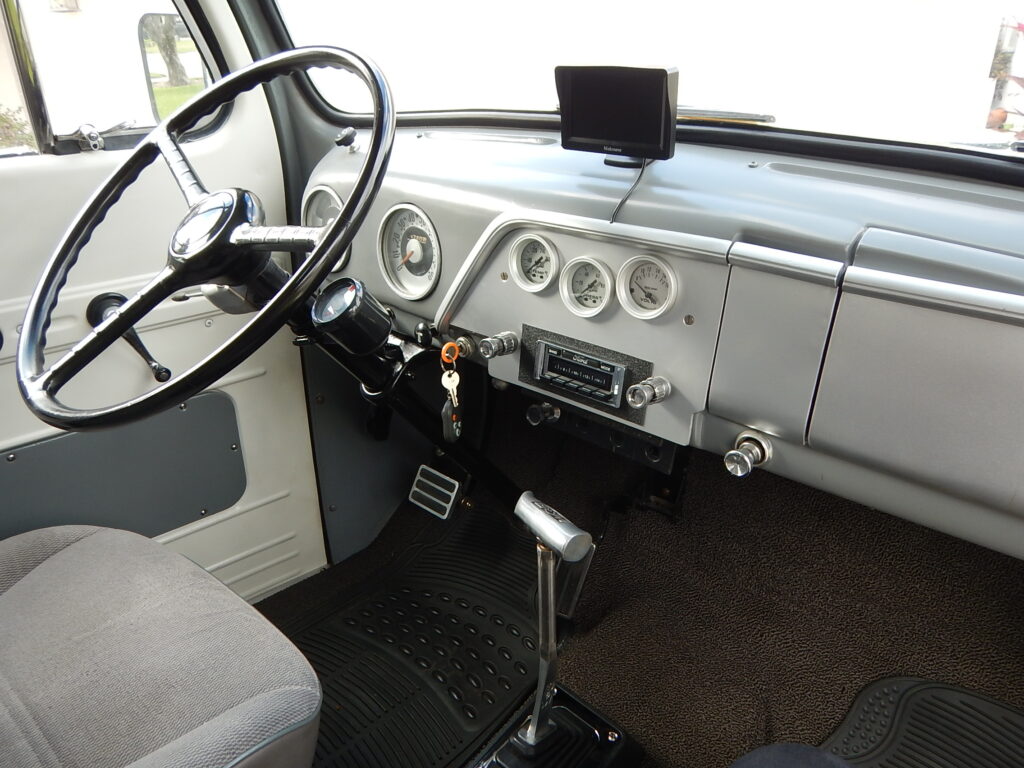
x=625, y=111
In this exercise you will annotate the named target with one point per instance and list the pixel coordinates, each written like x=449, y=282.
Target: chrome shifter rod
x=555, y=536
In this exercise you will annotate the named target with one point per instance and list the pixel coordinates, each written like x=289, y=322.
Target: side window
x=113, y=66
x=16, y=135
x=174, y=68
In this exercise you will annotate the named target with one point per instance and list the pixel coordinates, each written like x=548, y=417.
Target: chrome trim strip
x=502, y=138
x=935, y=294
x=661, y=241
x=809, y=268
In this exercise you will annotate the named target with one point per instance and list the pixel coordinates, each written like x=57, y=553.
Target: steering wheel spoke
x=184, y=174
x=120, y=320
x=303, y=239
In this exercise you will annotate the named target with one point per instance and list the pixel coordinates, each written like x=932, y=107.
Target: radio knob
x=647, y=392
x=504, y=343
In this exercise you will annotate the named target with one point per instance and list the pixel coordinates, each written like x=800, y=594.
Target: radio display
x=580, y=372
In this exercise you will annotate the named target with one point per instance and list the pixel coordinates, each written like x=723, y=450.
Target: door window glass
x=111, y=64
x=15, y=130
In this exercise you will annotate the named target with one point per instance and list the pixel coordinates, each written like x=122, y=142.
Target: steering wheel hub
x=203, y=223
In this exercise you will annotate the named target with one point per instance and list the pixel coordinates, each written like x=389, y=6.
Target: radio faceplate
x=581, y=372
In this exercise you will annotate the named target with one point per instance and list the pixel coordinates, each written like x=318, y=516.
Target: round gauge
x=646, y=287
x=320, y=208
x=410, y=254
x=534, y=263
x=585, y=286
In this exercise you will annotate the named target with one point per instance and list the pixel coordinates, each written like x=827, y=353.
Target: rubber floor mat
x=419, y=666
x=904, y=722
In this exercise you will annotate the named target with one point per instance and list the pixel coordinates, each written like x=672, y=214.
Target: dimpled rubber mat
x=421, y=666
x=907, y=722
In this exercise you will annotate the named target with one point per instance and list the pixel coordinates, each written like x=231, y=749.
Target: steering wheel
x=220, y=240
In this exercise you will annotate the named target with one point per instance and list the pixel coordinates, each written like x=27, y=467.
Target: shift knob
x=554, y=531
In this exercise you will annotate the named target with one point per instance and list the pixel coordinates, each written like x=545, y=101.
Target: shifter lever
x=102, y=307
x=556, y=535
x=552, y=529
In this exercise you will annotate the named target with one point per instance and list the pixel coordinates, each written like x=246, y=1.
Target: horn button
x=201, y=246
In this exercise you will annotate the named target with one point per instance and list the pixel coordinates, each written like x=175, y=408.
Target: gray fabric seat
x=116, y=652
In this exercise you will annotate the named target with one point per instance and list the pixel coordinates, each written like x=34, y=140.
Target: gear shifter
x=556, y=537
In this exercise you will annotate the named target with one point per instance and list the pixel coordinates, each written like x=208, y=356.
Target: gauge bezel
x=565, y=290
x=626, y=299
x=516, y=267
x=382, y=255
x=307, y=199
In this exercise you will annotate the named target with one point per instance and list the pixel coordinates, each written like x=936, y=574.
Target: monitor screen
x=618, y=110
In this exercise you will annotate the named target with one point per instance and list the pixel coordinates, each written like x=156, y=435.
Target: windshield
x=922, y=71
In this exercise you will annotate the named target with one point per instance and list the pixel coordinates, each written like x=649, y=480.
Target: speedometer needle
x=406, y=258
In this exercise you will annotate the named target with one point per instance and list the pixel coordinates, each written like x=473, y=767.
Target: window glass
x=926, y=71
x=174, y=68
x=15, y=132
x=111, y=63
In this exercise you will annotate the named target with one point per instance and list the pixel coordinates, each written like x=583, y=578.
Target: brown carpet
x=759, y=616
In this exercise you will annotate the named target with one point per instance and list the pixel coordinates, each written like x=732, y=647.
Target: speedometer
x=410, y=254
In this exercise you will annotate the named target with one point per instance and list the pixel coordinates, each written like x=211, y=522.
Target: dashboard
x=863, y=323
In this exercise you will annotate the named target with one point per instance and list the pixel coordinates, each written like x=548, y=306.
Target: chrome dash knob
x=504, y=343
x=752, y=450
x=647, y=392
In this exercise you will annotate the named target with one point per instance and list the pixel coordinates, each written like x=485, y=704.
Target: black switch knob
x=542, y=413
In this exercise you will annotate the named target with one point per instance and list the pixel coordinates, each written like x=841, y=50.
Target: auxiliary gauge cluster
x=645, y=285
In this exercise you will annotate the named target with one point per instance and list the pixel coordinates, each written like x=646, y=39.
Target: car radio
x=577, y=370
x=579, y=374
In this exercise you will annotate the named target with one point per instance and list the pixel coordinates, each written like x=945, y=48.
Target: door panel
x=273, y=534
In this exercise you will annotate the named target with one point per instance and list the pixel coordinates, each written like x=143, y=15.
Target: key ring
x=449, y=354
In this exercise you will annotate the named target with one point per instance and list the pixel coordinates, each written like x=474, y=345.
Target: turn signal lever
x=556, y=537
x=105, y=305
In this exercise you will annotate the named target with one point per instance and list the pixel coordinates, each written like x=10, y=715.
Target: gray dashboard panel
x=924, y=343
x=777, y=316
x=925, y=257
x=927, y=394
x=681, y=342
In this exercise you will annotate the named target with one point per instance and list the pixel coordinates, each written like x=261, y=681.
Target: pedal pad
x=434, y=492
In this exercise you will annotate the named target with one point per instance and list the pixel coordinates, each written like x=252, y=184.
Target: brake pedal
x=434, y=492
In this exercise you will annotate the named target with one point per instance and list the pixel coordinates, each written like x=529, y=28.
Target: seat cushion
x=117, y=652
